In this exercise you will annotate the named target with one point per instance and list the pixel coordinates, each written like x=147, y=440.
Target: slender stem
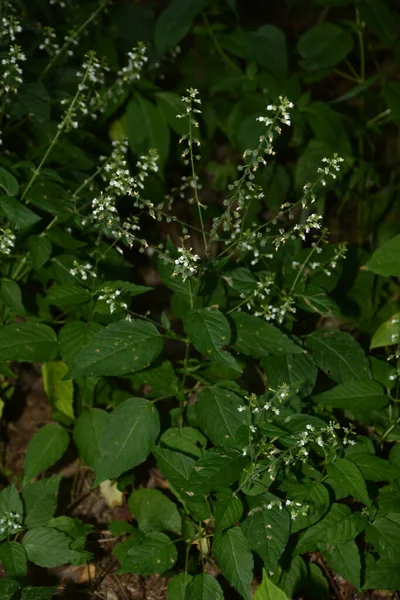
x=219, y=48
x=196, y=195
x=347, y=76
x=305, y=263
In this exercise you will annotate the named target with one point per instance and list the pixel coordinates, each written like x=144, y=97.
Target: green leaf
x=228, y=510
x=74, y=336
x=392, y=97
x=362, y=395
x=378, y=17
x=339, y=355
x=268, y=49
x=327, y=127
x=218, y=415
x=218, y=468
x=146, y=554
x=154, y=511
x=88, y=429
x=38, y=593
x=19, y=217
x=177, y=586
x=60, y=392
x=10, y=294
x=385, y=260
x=40, y=250
x=316, y=497
x=209, y=330
x=175, y=21
x=184, y=439
x=384, y=534
x=10, y=501
x=160, y=376
x=127, y=438
x=122, y=347
x=74, y=528
x=293, y=576
x=40, y=498
x=349, y=477
x=234, y=556
x=385, y=575
x=241, y=280
x=267, y=529
x=8, y=588
x=268, y=590
x=45, y=448
x=67, y=295
x=374, y=468
x=297, y=370
x=50, y=548
x=254, y=337
x=13, y=557
x=51, y=198
x=204, y=587
x=323, y=46
x=317, y=586
x=170, y=104
x=8, y=182
x=145, y=127
x=175, y=466
x=337, y=527
x=28, y=341
x=387, y=334
x=344, y=559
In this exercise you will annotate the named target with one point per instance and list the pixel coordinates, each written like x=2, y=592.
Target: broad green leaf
x=52, y=198
x=388, y=501
x=8, y=588
x=384, y=534
x=8, y=182
x=385, y=575
x=387, y=334
x=234, y=556
x=175, y=21
x=145, y=127
x=293, y=576
x=317, y=586
x=45, y=448
x=74, y=528
x=10, y=294
x=209, y=331
x=377, y=15
x=349, y=477
x=38, y=593
x=374, y=468
x=74, y=336
x=228, y=510
x=176, y=467
x=344, y=559
x=40, y=249
x=362, y=395
x=60, y=392
x=48, y=547
x=10, y=501
x=88, y=429
x=267, y=529
x=177, y=586
x=127, y=437
x=337, y=527
x=28, y=341
x=120, y=348
x=316, y=497
x=339, y=355
x=13, y=557
x=218, y=415
x=170, y=104
x=161, y=377
x=256, y=338
x=385, y=260
x=146, y=554
x=297, y=370
x=40, y=498
x=323, y=46
x=241, y=280
x=18, y=215
x=268, y=48
x=327, y=127
x=67, y=295
x=185, y=439
x=204, y=587
x=154, y=511
x=216, y=469
x=268, y=590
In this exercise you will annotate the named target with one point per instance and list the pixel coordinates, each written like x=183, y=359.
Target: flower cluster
x=330, y=168
x=12, y=71
x=10, y=523
x=131, y=72
x=49, y=44
x=82, y=270
x=186, y=265
x=111, y=298
x=7, y=241
x=10, y=27
x=294, y=508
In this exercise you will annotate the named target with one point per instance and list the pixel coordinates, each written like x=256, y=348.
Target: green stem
x=219, y=48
